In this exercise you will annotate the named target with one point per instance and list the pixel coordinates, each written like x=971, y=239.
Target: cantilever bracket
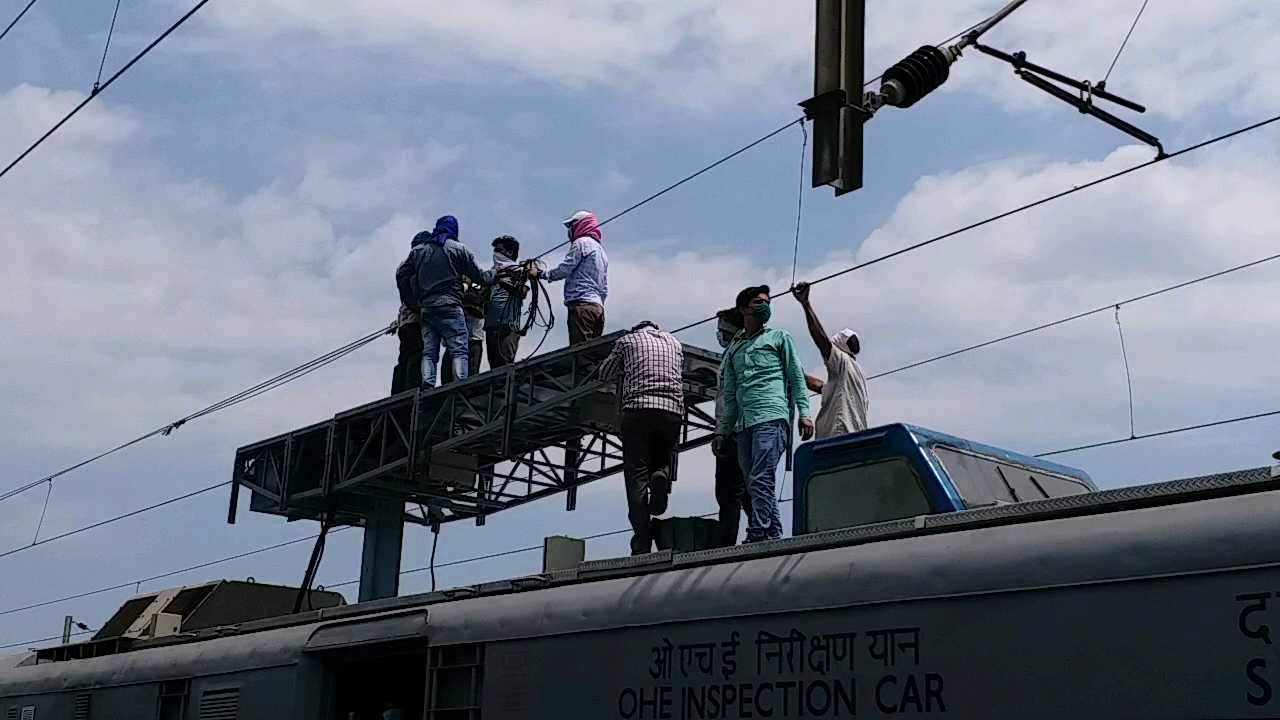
x=1039, y=77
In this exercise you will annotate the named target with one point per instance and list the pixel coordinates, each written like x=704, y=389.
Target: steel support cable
x=795, y=253
x=681, y=182
x=242, y=396
x=28, y=643
x=1022, y=208
x=16, y=19
x=115, y=519
x=532, y=548
x=115, y=76
x=1124, y=43
x=111, y=31
x=1077, y=316
x=171, y=573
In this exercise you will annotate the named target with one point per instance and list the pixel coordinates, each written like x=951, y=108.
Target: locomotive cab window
x=863, y=494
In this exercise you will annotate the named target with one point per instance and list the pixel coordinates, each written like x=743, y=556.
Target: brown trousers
x=586, y=321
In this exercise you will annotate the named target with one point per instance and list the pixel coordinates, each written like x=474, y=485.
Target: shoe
x=659, y=492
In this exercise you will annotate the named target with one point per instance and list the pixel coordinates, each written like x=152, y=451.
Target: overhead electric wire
x=1162, y=433
x=532, y=548
x=902, y=251
x=115, y=519
x=1127, y=35
x=1076, y=316
x=244, y=395
x=115, y=76
x=1022, y=208
x=682, y=181
x=1093, y=183
x=16, y=19
x=171, y=573
x=29, y=643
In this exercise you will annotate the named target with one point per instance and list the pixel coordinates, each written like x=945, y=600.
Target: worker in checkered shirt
x=648, y=364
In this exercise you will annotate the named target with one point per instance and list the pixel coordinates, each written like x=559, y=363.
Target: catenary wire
x=1076, y=316
x=532, y=548
x=240, y=397
x=115, y=76
x=1022, y=208
x=1093, y=183
x=917, y=246
x=115, y=519
x=16, y=19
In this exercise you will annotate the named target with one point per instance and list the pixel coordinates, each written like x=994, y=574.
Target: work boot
x=659, y=492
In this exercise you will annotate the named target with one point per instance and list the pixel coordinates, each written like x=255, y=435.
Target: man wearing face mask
x=844, y=392
x=585, y=271
x=731, y=492
x=763, y=385
x=502, y=311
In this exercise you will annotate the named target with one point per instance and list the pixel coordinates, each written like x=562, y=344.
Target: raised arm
x=816, y=331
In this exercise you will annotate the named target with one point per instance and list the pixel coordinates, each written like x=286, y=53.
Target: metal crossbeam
x=467, y=450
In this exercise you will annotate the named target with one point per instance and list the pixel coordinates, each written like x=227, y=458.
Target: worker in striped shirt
x=648, y=364
x=763, y=385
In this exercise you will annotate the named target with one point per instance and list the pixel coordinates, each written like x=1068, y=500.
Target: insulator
x=916, y=75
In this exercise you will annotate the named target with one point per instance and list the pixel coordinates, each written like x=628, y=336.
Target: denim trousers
x=760, y=447
x=445, y=324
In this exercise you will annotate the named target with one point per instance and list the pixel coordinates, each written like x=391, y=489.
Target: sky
x=236, y=204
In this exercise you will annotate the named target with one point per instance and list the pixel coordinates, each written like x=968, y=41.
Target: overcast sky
x=237, y=203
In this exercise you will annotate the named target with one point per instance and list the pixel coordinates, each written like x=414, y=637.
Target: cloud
x=708, y=54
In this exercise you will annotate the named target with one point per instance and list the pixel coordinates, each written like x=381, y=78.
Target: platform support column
x=383, y=542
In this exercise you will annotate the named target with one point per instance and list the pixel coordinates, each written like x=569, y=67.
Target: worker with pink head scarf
x=585, y=272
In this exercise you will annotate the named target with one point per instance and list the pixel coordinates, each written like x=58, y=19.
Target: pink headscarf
x=584, y=224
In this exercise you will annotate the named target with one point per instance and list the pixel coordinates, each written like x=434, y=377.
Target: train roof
x=1202, y=525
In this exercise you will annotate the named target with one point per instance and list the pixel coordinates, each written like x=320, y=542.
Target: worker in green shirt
x=763, y=386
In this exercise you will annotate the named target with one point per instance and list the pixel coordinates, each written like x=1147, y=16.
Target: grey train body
x=1157, y=603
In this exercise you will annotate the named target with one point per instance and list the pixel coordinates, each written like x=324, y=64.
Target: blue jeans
x=760, y=447
x=447, y=324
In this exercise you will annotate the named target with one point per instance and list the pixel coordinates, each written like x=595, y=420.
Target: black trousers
x=408, y=371
x=648, y=443
x=503, y=345
x=731, y=492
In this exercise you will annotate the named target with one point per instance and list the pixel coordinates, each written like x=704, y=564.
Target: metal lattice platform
x=466, y=450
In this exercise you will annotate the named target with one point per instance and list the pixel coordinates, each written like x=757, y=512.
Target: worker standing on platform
x=731, y=492
x=502, y=311
x=407, y=374
x=763, y=386
x=585, y=271
x=648, y=364
x=844, y=392
x=430, y=282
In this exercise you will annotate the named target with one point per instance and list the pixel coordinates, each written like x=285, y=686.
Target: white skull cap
x=575, y=217
x=842, y=338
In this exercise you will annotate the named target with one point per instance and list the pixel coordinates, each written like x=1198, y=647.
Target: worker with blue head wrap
x=430, y=282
